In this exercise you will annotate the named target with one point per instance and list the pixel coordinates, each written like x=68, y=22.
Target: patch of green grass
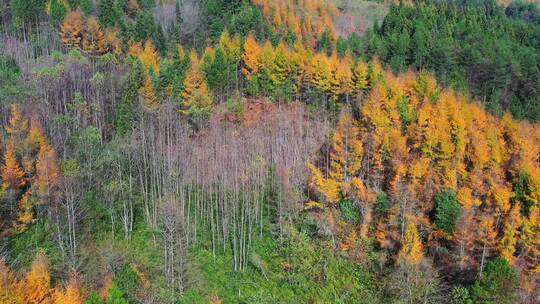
x=303, y=270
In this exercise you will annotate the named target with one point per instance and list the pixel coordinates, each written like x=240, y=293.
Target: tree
x=149, y=57
x=25, y=214
x=511, y=234
x=411, y=252
x=114, y=43
x=319, y=73
x=148, y=94
x=57, y=11
x=12, y=174
x=497, y=285
x=93, y=38
x=347, y=150
x=359, y=77
x=87, y=7
x=18, y=124
x=251, y=57
x=108, y=13
x=27, y=11
x=94, y=299
x=116, y=295
x=71, y=295
x=447, y=211
x=486, y=236
x=48, y=175
x=196, y=97
x=126, y=110
x=38, y=281
x=11, y=290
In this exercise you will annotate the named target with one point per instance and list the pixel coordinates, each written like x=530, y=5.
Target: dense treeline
x=240, y=151
x=477, y=46
x=425, y=162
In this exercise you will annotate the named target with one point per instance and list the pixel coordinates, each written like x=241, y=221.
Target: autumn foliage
x=308, y=19
x=413, y=140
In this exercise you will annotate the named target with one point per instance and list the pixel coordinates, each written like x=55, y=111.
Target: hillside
x=269, y=152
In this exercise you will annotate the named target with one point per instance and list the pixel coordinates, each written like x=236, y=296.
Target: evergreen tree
x=116, y=295
x=108, y=13
x=125, y=114
x=57, y=11
x=497, y=285
x=447, y=211
x=27, y=11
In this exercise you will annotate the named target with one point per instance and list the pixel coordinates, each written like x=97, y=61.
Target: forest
x=252, y=151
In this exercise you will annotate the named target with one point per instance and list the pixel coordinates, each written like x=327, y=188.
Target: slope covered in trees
x=477, y=46
x=251, y=152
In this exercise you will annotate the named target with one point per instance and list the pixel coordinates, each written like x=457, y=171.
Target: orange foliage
x=71, y=29
x=308, y=19
x=12, y=174
x=38, y=281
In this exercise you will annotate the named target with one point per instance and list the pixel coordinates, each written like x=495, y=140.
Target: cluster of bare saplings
x=216, y=187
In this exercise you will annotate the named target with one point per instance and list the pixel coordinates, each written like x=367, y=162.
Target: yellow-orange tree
x=417, y=139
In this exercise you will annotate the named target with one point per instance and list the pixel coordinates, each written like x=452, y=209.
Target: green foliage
x=109, y=13
x=237, y=16
x=253, y=86
x=58, y=11
x=218, y=72
x=447, y=210
x=237, y=105
x=486, y=52
x=128, y=281
x=86, y=6
x=522, y=192
x=523, y=10
x=39, y=237
x=382, y=205
x=349, y=211
x=460, y=295
x=299, y=271
x=94, y=299
x=116, y=295
x=12, y=88
x=27, y=11
x=341, y=47
x=406, y=112
x=497, y=285
x=125, y=114
x=325, y=44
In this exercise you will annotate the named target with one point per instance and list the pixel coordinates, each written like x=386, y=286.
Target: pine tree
x=72, y=28
x=195, y=96
x=149, y=57
x=251, y=57
x=36, y=137
x=359, y=77
x=38, y=281
x=72, y=294
x=18, y=124
x=411, y=252
x=11, y=290
x=113, y=41
x=116, y=295
x=320, y=74
x=12, y=174
x=511, y=235
x=48, y=174
x=93, y=38
x=25, y=214
x=108, y=13
x=148, y=94
x=57, y=11
x=347, y=150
